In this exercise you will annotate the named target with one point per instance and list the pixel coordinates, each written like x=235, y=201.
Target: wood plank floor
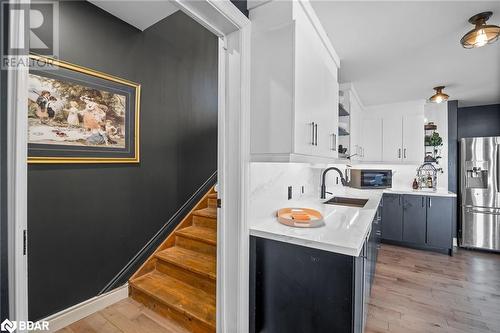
x=413, y=292
x=416, y=291
x=127, y=316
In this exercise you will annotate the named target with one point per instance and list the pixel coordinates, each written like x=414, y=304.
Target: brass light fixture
x=482, y=34
x=439, y=96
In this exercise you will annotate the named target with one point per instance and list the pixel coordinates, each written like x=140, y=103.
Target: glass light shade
x=439, y=96
x=480, y=36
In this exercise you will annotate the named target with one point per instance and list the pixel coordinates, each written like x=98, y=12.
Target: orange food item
x=300, y=216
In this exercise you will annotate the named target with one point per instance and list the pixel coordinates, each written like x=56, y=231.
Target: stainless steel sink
x=351, y=202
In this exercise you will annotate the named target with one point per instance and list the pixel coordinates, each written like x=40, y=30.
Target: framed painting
x=79, y=115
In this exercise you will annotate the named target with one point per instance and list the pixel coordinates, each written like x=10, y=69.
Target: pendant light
x=439, y=96
x=482, y=34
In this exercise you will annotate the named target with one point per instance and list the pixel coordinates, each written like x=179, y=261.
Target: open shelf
x=342, y=111
x=343, y=132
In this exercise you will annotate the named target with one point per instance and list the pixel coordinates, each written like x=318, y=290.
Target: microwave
x=364, y=178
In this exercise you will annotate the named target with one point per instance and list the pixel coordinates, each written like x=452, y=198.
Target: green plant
x=434, y=140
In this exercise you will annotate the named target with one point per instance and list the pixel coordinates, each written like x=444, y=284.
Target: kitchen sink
x=351, y=202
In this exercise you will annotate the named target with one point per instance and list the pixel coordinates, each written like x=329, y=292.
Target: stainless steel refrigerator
x=480, y=193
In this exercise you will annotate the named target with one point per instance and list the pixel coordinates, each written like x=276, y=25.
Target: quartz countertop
x=437, y=193
x=345, y=228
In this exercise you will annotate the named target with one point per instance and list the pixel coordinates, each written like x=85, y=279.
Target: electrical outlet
x=289, y=192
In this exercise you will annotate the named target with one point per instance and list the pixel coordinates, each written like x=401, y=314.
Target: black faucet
x=343, y=180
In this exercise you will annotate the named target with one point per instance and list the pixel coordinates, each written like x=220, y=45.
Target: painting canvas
x=80, y=115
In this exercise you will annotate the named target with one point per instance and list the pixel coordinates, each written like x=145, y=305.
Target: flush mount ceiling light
x=439, y=96
x=482, y=34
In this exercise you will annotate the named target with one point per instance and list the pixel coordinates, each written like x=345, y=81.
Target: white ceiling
x=140, y=14
x=397, y=51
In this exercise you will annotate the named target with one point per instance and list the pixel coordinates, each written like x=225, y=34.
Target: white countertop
x=345, y=229
x=437, y=193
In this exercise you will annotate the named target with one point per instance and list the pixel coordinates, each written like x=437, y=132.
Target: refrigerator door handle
x=498, y=168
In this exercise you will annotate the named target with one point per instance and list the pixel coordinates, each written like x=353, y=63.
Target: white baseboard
x=70, y=315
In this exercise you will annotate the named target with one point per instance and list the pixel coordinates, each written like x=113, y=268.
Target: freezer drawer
x=480, y=228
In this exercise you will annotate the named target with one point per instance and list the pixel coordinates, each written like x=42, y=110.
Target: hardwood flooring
x=416, y=291
x=413, y=292
x=126, y=316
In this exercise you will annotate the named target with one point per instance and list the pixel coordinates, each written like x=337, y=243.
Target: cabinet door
x=316, y=91
x=413, y=138
x=440, y=222
x=392, y=217
x=372, y=139
x=392, y=139
x=414, y=219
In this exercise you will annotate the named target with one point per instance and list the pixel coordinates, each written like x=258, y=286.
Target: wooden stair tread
x=202, y=234
x=212, y=195
x=206, y=212
x=188, y=300
x=195, y=262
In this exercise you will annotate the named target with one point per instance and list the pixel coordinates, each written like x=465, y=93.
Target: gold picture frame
x=54, y=73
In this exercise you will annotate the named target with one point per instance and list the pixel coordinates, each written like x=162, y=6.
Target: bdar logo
x=8, y=326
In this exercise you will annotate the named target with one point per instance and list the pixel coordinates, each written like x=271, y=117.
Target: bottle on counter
x=429, y=182
x=415, y=184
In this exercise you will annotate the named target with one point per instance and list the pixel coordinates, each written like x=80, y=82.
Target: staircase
x=178, y=281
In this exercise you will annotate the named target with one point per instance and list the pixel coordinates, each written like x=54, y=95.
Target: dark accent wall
x=453, y=158
x=478, y=121
x=452, y=145
x=86, y=222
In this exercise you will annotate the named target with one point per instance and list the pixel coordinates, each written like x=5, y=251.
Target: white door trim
x=17, y=134
x=223, y=19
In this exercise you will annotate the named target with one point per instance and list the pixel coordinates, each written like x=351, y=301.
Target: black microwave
x=365, y=178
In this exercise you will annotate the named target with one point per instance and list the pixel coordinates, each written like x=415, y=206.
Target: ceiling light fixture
x=439, y=96
x=482, y=34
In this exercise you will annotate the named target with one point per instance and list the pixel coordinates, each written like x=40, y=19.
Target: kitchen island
x=315, y=279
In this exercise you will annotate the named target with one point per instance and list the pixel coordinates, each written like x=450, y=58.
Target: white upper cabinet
x=392, y=138
x=294, y=92
x=413, y=138
x=372, y=139
x=402, y=138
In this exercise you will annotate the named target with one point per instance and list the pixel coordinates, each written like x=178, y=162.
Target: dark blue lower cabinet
x=392, y=212
x=300, y=289
x=414, y=219
x=424, y=222
x=439, y=230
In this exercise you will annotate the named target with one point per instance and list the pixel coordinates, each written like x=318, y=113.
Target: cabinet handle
x=399, y=200
x=430, y=202
x=404, y=153
x=423, y=201
x=334, y=142
x=312, y=133
x=316, y=134
x=399, y=153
